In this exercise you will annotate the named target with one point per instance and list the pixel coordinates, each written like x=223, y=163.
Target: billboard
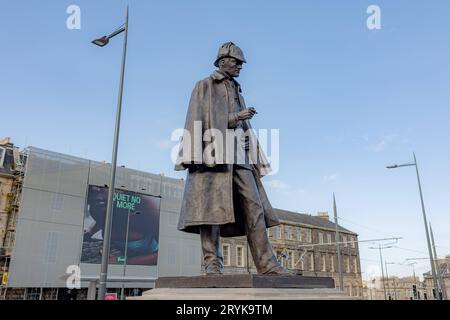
x=140, y=210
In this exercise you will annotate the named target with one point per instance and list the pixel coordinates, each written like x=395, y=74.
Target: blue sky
x=347, y=100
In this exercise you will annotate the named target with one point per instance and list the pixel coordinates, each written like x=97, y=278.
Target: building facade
x=10, y=188
x=47, y=197
x=52, y=224
x=394, y=288
x=303, y=243
x=443, y=267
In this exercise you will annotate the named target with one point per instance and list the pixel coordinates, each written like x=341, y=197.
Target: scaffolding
x=13, y=205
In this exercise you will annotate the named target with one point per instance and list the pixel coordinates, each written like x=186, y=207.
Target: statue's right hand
x=246, y=113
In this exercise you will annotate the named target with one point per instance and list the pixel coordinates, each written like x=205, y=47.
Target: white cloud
x=283, y=188
x=385, y=142
x=331, y=177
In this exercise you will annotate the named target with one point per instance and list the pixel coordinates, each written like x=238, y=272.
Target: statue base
x=246, y=281
x=244, y=287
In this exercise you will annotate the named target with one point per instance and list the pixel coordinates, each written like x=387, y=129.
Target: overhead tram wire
x=347, y=242
x=368, y=228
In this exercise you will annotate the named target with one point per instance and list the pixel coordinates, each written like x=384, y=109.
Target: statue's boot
x=212, y=257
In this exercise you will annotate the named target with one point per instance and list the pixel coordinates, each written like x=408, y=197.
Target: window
x=347, y=264
x=52, y=247
x=33, y=293
x=302, y=263
x=299, y=234
x=268, y=232
x=329, y=237
x=347, y=290
x=226, y=254
x=308, y=235
x=278, y=233
x=311, y=261
x=320, y=237
x=344, y=240
x=324, y=262
x=289, y=233
x=2, y=156
x=240, y=262
x=57, y=203
x=355, y=264
x=332, y=263
x=291, y=259
x=353, y=240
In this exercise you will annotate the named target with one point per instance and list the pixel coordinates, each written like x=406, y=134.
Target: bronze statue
x=223, y=198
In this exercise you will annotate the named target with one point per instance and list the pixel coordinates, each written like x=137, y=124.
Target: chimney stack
x=5, y=141
x=323, y=215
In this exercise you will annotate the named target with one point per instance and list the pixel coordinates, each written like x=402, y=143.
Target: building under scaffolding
x=54, y=207
x=11, y=180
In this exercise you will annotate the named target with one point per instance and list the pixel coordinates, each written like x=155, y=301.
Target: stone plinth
x=219, y=294
x=246, y=281
x=244, y=287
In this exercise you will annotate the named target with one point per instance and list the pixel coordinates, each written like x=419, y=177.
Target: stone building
x=444, y=269
x=396, y=288
x=306, y=243
x=10, y=179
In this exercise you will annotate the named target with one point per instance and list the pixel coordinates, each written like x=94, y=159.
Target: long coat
x=208, y=193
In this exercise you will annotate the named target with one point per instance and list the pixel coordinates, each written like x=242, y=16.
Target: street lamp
x=109, y=209
x=443, y=290
x=382, y=269
x=433, y=271
x=122, y=294
x=337, y=240
x=414, y=274
x=393, y=279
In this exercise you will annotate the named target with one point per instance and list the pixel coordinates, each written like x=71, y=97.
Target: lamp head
x=392, y=166
x=101, y=42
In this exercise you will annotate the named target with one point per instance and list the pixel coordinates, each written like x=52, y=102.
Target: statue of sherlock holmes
x=224, y=195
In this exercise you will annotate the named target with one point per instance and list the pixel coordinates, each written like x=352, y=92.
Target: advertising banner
x=143, y=212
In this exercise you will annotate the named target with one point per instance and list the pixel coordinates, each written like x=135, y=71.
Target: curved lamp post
x=101, y=42
x=433, y=271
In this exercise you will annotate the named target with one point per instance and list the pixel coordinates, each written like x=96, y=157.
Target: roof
x=8, y=164
x=444, y=269
x=309, y=220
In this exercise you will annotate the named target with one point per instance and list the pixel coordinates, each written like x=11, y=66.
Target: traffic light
x=434, y=294
x=414, y=287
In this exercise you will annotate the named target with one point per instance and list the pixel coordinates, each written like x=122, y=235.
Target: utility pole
x=387, y=279
x=393, y=280
x=414, y=275
x=430, y=253
x=438, y=269
x=382, y=267
x=337, y=240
